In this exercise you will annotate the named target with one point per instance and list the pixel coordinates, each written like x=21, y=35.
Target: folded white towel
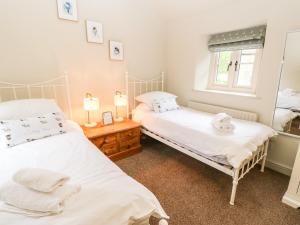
x=222, y=122
x=40, y=179
x=222, y=118
x=27, y=199
x=29, y=213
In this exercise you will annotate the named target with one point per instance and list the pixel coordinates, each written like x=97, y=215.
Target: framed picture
x=107, y=118
x=116, y=50
x=94, y=31
x=67, y=9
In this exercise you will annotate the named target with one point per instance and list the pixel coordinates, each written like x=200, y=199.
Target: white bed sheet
x=108, y=196
x=282, y=117
x=193, y=129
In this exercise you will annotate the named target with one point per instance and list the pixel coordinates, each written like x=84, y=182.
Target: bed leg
x=262, y=169
x=234, y=186
x=163, y=222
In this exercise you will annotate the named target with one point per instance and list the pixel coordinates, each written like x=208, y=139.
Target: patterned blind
x=250, y=38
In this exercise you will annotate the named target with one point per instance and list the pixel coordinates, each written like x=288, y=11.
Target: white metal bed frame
x=46, y=89
x=51, y=89
x=141, y=86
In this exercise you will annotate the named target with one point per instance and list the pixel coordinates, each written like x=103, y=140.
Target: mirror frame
x=280, y=76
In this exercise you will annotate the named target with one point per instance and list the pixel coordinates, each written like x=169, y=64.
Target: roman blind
x=250, y=38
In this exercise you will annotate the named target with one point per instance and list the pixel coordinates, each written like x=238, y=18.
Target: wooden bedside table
x=117, y=141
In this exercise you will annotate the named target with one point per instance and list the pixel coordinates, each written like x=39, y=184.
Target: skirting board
x=279, y=167
x=291, y=200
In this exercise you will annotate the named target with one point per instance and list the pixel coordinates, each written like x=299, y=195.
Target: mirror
x=287, y=111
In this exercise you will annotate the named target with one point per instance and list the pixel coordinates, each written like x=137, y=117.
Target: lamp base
x=119, y=119
x=90, y=124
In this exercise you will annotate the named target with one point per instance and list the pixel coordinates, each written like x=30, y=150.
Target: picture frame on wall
x=116, y=50
x=107, y=118
x=94, y=31
x=67, y=9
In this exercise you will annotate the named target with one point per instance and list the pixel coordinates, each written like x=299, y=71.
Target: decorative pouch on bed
x=15, y=132
x=165, y=105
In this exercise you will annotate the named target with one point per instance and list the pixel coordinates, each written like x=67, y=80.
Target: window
x=234, y=71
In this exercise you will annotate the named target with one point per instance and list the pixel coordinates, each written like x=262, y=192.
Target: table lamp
x=120, y=101
x=90, y=103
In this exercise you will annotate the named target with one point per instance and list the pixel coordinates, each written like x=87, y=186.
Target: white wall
x=187, y=53
x=35, y=45
x=290, y=77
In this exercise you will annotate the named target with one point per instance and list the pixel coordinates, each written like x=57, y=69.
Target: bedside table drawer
x=126, y=145
x=109, y=139
x=109, y=149
x=129, y=134
x=98, y=141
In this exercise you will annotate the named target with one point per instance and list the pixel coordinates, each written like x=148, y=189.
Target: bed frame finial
x=162, y=81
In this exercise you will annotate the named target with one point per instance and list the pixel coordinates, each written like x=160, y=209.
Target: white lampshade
x=91, y=104
x=120, y=100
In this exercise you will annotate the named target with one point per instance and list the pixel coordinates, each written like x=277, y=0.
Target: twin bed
x=283, y=119
x=287, y=109
x=108, y=195
x=190, y=131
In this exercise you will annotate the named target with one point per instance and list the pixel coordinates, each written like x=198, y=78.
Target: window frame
x=232, y=86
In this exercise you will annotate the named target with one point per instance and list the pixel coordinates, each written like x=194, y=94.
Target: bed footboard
x=260, y=155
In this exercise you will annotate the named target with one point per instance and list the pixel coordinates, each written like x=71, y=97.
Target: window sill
x=248, y=95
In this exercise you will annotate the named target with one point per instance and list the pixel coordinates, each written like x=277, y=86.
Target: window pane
x=222, y=70
x=247, y=58
x=245, y=75
x=249, y=51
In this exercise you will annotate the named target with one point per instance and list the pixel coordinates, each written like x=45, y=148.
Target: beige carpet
x=195, y=194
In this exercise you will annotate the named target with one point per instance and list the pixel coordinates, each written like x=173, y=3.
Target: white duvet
x=108, y=196
x=194, y=130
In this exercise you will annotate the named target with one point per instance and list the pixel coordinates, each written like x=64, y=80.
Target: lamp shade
x=120, y=100
x=91, y=104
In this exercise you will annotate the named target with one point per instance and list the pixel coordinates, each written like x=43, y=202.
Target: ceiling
x=172, y=9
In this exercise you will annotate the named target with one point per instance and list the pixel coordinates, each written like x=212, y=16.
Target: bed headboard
x=235, y=113
x=136, y=87
x=57, y=89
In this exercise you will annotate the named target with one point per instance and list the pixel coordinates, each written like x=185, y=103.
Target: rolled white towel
x=40, y=179
x=25, y=199
x=222, y=122
x=222, y=118
x=224, y=128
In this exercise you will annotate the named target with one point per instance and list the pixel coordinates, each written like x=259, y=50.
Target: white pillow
x=143, y=107
x=15, y=132
x=165, y=105
x=18, y=109
x=149, y=97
